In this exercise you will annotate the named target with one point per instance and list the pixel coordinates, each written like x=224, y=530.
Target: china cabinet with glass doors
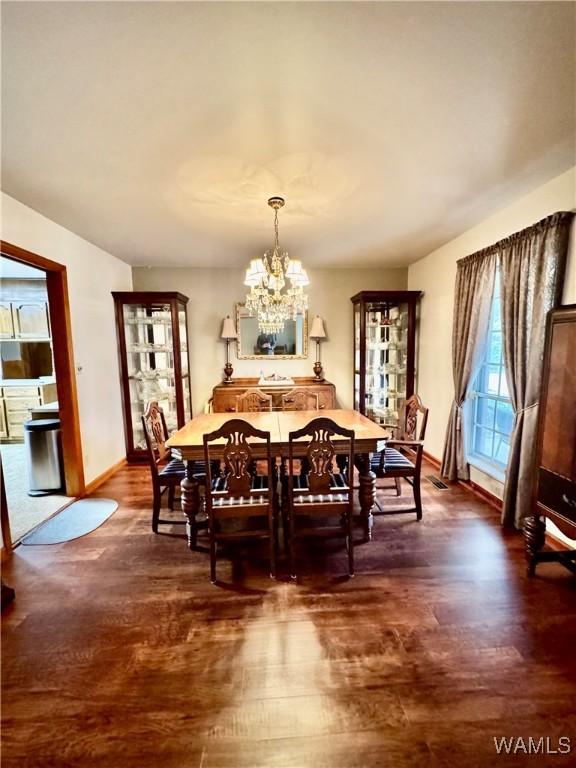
x=153, y=349
x=384, y=352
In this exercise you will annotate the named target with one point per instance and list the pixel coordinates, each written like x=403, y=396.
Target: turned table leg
x=190, y=491
x=366, y=492
x=534, y=537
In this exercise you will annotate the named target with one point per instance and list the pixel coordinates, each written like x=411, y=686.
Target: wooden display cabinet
x=384, y=352
x=153, y=353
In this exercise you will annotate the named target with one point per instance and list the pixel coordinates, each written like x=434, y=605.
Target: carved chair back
x=237, y=458
x=253, y=400
x=155, y=433
x=414, y=420
x=324, y=494
x=412, y=427
x=320, y=452
x=300, y=399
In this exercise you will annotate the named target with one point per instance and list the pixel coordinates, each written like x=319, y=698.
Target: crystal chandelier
x=276, y=284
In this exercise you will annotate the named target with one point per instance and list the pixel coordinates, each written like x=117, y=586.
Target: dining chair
x=166, y=471
x=300, y=399
x=239, y=492
x=402, y=456
x=320, y=494
x=253, y=400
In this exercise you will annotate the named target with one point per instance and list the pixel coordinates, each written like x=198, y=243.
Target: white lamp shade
x=294, y=269
x=251, y=279
x=257, y=267
x=317, y=331
x=228, y=329
x=296, y=274
x=304, y=280
x=255, y=272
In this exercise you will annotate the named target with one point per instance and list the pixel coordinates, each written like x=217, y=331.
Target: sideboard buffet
x=224, y=395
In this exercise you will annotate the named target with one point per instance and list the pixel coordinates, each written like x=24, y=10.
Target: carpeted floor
x=25, y=512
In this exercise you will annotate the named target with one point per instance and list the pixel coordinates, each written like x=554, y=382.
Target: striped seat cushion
x=338, y=491
x=258, y=493
x=240, y=501
x=176, y=468
x=393, y=459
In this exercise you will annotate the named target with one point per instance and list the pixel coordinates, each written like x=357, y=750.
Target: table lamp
x=318, y=334
x=228, y=333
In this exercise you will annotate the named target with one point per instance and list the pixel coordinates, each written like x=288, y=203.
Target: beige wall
x=435, y=276
x=213, y=294
x=92, y=275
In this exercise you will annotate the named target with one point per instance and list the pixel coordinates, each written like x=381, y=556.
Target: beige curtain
x=533, y=265
x=472, y=300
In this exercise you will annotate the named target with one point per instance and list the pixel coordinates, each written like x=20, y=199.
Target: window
x=491, y=416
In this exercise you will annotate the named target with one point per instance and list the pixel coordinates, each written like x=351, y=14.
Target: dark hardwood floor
x=118, y=652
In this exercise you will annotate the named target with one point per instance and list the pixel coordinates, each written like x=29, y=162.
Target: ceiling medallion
x=276, y=284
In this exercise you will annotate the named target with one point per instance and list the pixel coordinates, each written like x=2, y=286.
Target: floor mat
x=76, y=520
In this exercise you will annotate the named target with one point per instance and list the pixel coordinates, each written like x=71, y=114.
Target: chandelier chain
x=276, y=239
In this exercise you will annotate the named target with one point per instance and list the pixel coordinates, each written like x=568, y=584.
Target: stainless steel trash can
x=42, y=442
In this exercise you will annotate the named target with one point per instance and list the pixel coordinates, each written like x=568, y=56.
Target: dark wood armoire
x=555, y=475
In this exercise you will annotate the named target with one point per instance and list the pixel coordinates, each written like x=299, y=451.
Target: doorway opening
x=41, y=453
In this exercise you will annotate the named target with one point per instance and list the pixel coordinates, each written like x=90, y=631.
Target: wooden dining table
x=188, y=445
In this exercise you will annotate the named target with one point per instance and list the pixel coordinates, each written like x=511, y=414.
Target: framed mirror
x=290, y=344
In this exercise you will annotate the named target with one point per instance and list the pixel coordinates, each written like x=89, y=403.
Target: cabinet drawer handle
x=289, y=400
x=321, y=406
x=570, y=502
x=230, y=409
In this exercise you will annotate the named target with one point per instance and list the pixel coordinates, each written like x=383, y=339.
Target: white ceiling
x=159, y=130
